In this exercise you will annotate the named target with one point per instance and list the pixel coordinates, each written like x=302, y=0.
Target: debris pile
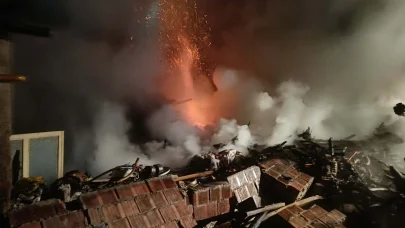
x=312, y=183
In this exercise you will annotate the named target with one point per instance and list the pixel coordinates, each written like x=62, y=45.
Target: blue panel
x=44, y=158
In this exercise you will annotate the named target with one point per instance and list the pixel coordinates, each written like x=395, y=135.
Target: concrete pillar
x=5, y=128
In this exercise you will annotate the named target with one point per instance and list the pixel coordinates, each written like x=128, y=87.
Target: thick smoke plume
x=334, y=66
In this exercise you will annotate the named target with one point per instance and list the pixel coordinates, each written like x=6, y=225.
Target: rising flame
x=184, y=36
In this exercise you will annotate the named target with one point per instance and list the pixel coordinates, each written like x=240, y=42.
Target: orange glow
x=183, y=34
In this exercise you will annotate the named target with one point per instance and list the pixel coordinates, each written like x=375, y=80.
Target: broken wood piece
x=264, y=209
x=297, y=203
x=195, y=175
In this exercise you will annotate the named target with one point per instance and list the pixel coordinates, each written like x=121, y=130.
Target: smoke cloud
x=334, y=66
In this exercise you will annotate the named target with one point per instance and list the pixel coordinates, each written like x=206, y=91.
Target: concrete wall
x=5, y=127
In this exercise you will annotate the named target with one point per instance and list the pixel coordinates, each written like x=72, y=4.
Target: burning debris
x=283, y=186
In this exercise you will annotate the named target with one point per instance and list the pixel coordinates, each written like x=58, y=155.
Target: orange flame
x=183, y=34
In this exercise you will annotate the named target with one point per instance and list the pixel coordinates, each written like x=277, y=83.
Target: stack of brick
x=152, y=203
x=245, y=184
x=210, y=200
x=156, y=202
x=315, y=216
x=287, y=183
x=34, y=215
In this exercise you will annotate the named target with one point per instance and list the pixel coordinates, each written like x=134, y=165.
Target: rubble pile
x=311, y=183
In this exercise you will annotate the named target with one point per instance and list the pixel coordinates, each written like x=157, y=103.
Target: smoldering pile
x=306, y=183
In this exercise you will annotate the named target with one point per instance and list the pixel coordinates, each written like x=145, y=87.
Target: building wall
x=5, y=127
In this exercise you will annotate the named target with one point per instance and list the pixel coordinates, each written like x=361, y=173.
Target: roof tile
x=144, y=203
x=173, y=195
x=169, y=213
x=183, y=208
x=154, y=218
x=31, y=225
x=139, y=221
x=170, y=225
x=159, y=199
x=131, y=190
x=130, y=208
x=188, y=222
x=121, y=223
x=36, y=212
x=113, y=212
x=94, y=216
x=223, y=206
x=155, y=184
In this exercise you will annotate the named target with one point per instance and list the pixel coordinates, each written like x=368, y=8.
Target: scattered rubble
x=279, y=186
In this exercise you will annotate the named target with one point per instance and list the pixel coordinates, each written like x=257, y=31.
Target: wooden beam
x=9, y=78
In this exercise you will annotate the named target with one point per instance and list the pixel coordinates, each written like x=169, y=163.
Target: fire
x=183, y=35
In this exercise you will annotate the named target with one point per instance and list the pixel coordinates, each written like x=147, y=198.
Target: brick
x=224, y=225
x=237, y=180
x=188, y=222
x=226, y=191
x=139, y=221
x=318, y=224
x=108, y=196
x=298, y=187
x=75, y=219
x=91, y=200
x=242, y=193
x=31, y=225
x=94, y=216
x=154, y=218
x=183, y=208
x=113, y=212
x=159, y=199
x=318, y=211
x=121, y=223
x=200, y=195
x=173, y=195
x=309, y=215
x=223, y=206
x=298, y=221
x=252, y=173
x=144, y=203
x=337, y=215
x=52, y=222
x=168, y=182
x=328, y=220
x=169, y=213
x=170, y=225
x=215, y=193
x=131, y=190
x=36, y=212
x=130, y=208
x=295, y=209
x=155, y=184
x=200, y=212
x=286, y=214
x=212, y=209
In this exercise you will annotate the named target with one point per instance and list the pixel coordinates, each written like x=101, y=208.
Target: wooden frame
x=25, y=138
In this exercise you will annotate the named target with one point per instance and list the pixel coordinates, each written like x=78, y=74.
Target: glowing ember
x=183, y=35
